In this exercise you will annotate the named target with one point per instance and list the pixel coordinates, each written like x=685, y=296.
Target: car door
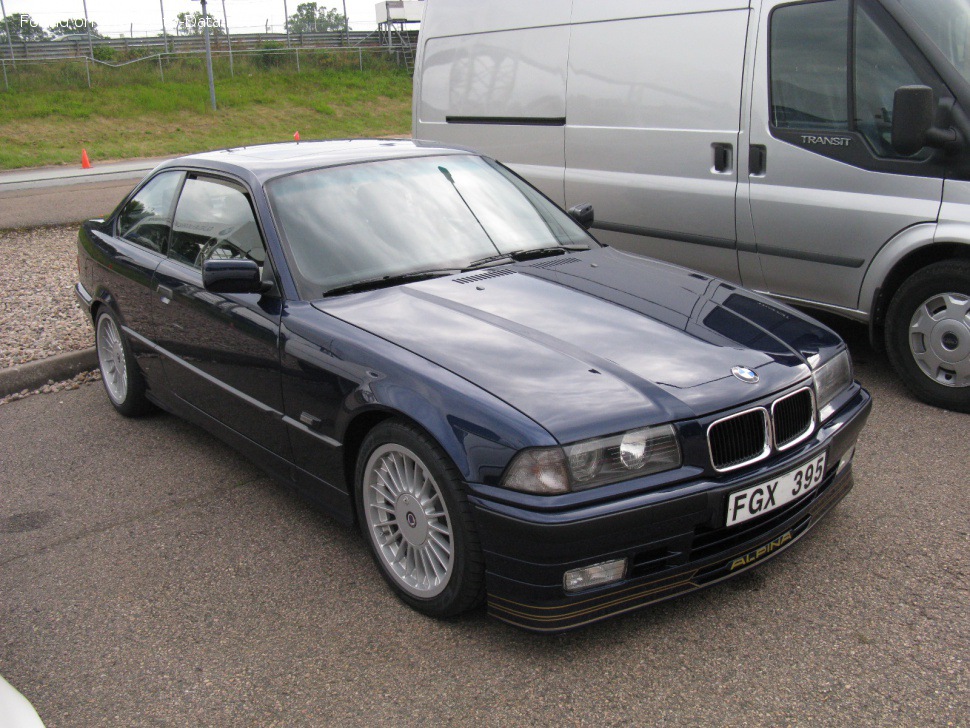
x=825, y=188
x=129, y=251
x=221, y=349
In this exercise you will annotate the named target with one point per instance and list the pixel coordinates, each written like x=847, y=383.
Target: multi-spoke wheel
x=417, y=520
x=122, y=379
x=928, y=334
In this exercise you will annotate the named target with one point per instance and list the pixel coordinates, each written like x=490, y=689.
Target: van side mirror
x=232, y=276
x=583, y=214
x=914, y=113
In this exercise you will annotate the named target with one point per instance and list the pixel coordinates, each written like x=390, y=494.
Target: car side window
x=146, y=219
x=214, y=220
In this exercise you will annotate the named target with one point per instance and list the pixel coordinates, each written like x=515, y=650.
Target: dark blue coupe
x=423, y=344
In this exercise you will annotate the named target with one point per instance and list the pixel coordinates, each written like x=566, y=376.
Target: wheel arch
x=96, y=307
x=478, y=434
x=908, y=253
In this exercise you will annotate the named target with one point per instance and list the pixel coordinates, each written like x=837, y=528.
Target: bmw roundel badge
x=745, y=375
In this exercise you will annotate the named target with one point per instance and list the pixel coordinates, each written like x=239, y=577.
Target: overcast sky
x=144, y=17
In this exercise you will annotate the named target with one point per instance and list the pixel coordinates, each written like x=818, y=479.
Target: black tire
x=933, y=360
x=122, y=379
x=392, y=444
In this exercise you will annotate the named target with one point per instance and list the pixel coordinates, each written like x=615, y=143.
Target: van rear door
x=653, y=120
x=826, y=189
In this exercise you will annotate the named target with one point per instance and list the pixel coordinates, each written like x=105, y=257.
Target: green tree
x=74, y=26
x=21, y=27
x=309, y=18
x=194, y=24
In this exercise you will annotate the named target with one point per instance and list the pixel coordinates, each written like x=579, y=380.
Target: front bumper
x=674, y=538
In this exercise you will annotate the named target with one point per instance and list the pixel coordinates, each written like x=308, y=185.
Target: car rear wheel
x=122, y=379
x=928, y=334
x=417, y=520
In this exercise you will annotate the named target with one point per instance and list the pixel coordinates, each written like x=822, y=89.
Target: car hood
x=596, y=342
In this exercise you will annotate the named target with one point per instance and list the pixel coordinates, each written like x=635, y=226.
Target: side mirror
x=583, y=214
x=914, y=113
x=232, y=276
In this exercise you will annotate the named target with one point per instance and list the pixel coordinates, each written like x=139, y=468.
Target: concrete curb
x=57, y=368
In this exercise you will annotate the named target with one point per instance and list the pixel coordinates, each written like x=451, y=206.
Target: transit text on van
x=826, y=140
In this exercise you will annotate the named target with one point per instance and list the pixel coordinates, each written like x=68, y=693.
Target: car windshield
x=947, y=23
x=373, y=220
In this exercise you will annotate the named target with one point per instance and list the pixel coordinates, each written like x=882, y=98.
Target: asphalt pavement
x=151, y=576
x=65, y=194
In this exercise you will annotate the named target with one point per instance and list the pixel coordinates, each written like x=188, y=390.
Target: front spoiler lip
x=650, y=590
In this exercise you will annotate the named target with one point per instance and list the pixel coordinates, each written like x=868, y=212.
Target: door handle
x=757, y=159
x=723, y=157
x=165, y=293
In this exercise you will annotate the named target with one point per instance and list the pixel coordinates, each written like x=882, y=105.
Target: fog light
x=846, y=460
x=595, y=575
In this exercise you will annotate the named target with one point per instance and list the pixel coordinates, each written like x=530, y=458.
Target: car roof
x=266, y=161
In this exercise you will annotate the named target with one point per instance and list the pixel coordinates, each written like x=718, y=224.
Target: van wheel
x=928, y=334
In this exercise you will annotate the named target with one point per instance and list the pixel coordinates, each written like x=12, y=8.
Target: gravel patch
x=52, y=386
x=39, y=316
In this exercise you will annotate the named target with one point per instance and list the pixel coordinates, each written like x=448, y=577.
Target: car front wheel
x=417, y=520
x=120, y=374
x=928, y=334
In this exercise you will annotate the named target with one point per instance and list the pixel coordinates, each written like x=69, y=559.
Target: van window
x=947, y=23
x=809, y=57
x=879, y=70
x=810, y=74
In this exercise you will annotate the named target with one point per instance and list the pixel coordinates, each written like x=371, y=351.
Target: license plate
x=743, y=505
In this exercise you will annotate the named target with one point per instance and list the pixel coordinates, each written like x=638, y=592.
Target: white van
x=818, y=150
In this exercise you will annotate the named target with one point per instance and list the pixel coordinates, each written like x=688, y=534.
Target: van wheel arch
x=901, y=271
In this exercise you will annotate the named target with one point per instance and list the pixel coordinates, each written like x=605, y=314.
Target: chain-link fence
x=119, y=61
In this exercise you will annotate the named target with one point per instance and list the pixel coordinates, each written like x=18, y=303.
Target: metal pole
x=161, y=5
x=297, y=60
x=225, y=24
x=360, y=57
x=346, y=26
x=4, y=64
x=6, y=25
x=208, y=55
x=87, y=24
x=160, y=71
x=87, y=69
x=286, y=23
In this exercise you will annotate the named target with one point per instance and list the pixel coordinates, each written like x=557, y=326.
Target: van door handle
x=723, y=157
x=165, y=293
x=757, y=159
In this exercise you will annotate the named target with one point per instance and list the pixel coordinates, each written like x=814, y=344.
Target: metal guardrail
x=77, y=46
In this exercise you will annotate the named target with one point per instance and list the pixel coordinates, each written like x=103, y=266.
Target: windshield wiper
x=525, y=254
x=371, y=284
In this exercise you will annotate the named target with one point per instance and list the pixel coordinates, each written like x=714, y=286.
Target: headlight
x=832, y=378
x=595, y=462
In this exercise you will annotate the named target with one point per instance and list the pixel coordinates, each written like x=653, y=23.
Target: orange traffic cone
x=296, y=136
x=85, y=162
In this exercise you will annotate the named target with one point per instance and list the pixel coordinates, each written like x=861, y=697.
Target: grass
x=49, y=114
